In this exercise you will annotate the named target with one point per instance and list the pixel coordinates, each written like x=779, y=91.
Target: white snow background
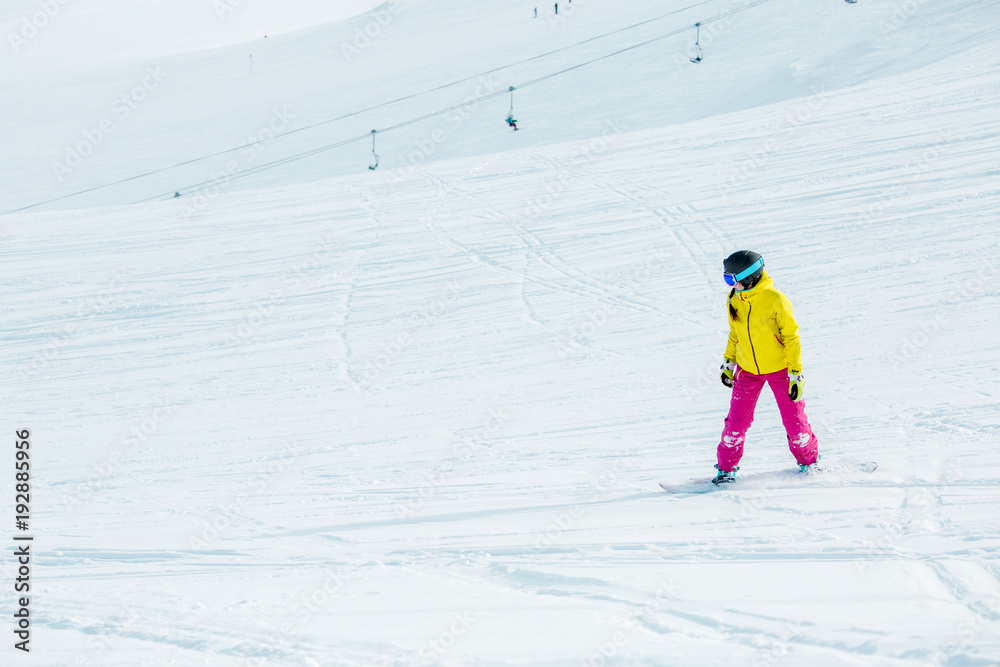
x=316, y=414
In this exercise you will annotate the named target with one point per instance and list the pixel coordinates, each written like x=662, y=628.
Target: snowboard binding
x=812, y=467
x=725, y=476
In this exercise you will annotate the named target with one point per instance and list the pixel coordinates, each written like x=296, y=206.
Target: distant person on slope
x=763, y=348
x=511, y=121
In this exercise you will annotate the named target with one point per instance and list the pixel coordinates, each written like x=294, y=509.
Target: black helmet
x=743, y=266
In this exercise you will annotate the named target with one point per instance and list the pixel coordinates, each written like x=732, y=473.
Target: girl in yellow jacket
x=763, y=348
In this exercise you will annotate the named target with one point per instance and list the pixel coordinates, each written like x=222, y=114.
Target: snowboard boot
x=812, y=467
x=725, y=476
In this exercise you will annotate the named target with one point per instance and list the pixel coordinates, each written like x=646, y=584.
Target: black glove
x=727, y=369
x=796, y=385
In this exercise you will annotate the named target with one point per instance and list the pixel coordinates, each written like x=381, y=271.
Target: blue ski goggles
x=733, y=278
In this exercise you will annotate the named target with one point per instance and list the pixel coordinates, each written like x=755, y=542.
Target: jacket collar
x=764, y=283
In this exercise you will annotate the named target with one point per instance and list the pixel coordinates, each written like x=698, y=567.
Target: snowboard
x=774, y=478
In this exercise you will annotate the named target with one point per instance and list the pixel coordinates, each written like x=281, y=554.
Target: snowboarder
x=763, y=348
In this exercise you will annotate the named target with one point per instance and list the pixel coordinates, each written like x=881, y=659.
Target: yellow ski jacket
x=764, y=337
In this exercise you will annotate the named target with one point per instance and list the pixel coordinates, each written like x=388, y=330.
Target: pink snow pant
x=746, y=390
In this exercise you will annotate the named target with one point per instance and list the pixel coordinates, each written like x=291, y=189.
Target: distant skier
x=763, y=348
x=536, y=12
x=557, y=8
x=511, y=121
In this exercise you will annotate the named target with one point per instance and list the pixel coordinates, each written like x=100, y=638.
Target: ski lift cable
x=310, y=153
x=358, y=112
x=658, y=38
x=269, y=165
x=322, y=149
x=481, y=74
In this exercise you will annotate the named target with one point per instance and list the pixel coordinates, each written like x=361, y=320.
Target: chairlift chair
x=373, y=166
x=697, y=45
x=511, y=121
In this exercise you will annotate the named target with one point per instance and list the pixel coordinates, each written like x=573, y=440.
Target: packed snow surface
x=318, y=414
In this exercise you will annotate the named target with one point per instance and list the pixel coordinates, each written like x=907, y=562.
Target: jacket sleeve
x=788, y=330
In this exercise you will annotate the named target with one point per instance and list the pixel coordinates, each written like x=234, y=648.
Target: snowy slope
x=418, y=417
x=94, y=33
x=86, y=124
